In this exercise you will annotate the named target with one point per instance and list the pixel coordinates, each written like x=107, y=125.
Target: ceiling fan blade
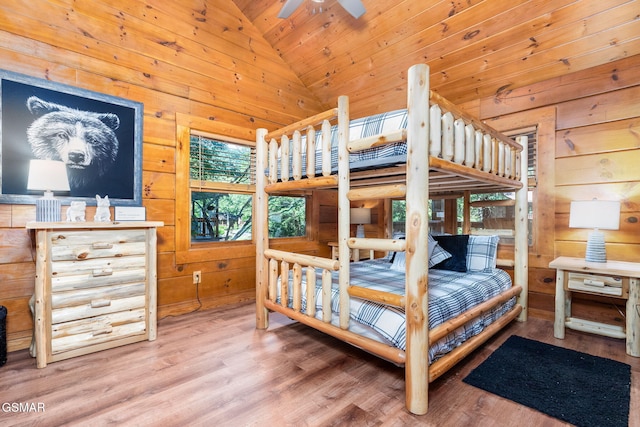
x=354, y=7
x=288, y=8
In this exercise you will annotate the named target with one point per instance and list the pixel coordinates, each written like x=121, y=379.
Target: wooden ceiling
x=475, y=48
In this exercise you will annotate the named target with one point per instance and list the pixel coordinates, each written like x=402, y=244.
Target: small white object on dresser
x=95, y=287
x=615, y=279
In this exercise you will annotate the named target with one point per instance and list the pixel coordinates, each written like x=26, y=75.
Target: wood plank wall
x=195, y=57
x=595, y=152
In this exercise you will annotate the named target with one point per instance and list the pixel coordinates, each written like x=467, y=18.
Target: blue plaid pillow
x=482, y=252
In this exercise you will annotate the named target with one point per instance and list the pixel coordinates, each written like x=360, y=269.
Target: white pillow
x=436, y=255
x=482, y=252
x=399, y=262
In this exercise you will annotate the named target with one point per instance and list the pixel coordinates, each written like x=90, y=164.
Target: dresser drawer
x=95, y=301
x=103, y=276
x=598, y=284
x=96, y=270
x=78, y=334
x=81, y=246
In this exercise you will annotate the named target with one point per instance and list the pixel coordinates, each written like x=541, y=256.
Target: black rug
x=575, y=387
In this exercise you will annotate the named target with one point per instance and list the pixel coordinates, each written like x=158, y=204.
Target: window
x=222, y=176
x=491, y=213
x=436, y=216
x=495, y=213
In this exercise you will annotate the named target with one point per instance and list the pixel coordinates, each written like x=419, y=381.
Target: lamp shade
x=601, y=214
x=360, y=216
x=47, y=175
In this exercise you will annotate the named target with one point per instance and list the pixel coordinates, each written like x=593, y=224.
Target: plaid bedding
x=388, y=154
x=450, y=294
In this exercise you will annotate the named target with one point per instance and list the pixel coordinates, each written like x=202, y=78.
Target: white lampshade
x=47, y=175
x=602, y=214
x=596, y=214
x=360, y=216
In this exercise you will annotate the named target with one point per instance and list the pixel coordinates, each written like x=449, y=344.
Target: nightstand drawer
x=598, y=284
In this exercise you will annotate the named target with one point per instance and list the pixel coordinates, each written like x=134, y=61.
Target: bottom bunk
x=465, y=307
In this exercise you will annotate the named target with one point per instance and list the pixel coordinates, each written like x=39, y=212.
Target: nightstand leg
x=633, y=318
x=560, y=315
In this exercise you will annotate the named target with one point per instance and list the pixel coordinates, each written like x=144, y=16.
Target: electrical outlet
x=197, y=277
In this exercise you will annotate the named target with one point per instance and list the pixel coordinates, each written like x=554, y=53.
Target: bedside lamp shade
x=360, y=216
x=596, y=214
x=48, y=176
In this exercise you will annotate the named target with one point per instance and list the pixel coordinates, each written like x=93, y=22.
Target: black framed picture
x=97, y=136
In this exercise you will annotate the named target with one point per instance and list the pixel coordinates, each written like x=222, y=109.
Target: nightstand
x=356, y=254
x=614, y=279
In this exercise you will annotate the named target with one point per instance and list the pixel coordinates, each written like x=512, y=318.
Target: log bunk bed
x=463, y=155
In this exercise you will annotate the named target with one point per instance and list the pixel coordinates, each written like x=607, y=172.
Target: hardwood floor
x=213, y=368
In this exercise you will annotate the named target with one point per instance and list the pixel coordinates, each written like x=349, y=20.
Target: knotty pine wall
x=176, y=58
x=590, y=123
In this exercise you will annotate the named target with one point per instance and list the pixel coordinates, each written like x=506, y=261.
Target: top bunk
x=464, y=153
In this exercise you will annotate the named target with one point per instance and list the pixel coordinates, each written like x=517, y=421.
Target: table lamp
x=599, y=215
x=360, y=216
x=48, y=176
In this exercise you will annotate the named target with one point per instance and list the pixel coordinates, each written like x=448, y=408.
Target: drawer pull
x=107, y=330
x=97, y=303
x=102, y=245
x=592, y=282
x=102, y=272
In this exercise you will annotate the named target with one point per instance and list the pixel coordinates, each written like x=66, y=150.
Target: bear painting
x=97, y=136
x=85, y=141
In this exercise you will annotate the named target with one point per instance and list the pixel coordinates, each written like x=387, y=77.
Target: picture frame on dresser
x=97, y=136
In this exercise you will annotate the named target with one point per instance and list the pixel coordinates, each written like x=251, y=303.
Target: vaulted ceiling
x=475, y=48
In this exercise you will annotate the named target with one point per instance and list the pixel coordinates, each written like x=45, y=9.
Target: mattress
x=450, y=294
x=376, y=157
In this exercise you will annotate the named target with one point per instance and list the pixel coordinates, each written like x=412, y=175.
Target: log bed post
x=344, y=205
x=262, y=239
x=417, y=231
x=521, y=243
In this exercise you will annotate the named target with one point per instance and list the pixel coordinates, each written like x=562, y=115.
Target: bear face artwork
x=85, y=141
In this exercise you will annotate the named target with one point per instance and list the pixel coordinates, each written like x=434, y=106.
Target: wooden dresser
x=95, y=287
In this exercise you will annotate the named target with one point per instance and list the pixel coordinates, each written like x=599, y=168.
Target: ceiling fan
x=354, y=7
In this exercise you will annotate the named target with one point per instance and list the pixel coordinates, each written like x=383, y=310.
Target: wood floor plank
x=214, y=368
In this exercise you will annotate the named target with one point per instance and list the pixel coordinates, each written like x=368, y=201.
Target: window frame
x=187, y=251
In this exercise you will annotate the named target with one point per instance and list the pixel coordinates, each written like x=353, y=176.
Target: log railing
x=454, y=136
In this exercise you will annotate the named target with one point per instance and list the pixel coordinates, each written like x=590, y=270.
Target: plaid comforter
x=387, y=154
x=450, y=294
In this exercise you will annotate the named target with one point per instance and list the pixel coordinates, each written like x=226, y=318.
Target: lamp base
x=360, y=231
x=48, y=209
x=596, y=251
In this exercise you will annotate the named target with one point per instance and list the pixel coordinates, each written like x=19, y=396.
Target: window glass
x=287, y=216
x=220, y=216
